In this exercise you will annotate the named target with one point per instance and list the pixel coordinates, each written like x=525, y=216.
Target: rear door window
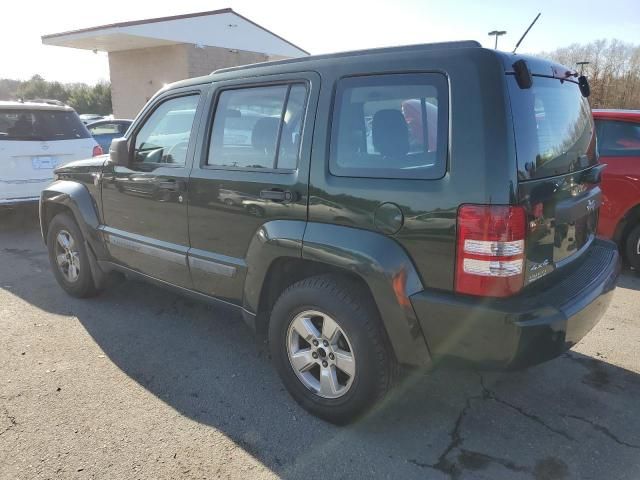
x=618, y=138
x=390, y=126
x=41, y=125
x=553, y=128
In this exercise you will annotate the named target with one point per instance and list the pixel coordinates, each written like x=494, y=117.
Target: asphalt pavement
x=141, y=383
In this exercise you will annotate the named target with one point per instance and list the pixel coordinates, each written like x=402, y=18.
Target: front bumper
x=541, y=323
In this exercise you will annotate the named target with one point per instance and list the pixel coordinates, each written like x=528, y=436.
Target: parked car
x=90, y=117
x=378, y=248
x=619, y=146
x=106, y=130
x=34, y=139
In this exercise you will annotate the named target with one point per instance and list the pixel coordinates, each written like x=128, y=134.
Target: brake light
x=490, y=250
x=97, y=150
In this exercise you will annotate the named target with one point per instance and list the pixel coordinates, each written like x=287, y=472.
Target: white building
x=146, y=54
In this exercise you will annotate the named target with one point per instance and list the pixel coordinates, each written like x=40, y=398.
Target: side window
x=164, y=137
x=258, y=127
x=390, y=126
x=618, y=138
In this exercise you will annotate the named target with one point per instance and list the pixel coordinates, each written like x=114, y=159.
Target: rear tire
x=350, y=367
x=68, y=257
x=632, y=248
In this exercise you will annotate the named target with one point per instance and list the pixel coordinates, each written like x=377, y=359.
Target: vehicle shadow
x=574, y=417
x=629, y=279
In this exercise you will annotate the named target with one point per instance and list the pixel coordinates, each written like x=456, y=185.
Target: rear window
x=553, y=128
x=390, y=126
x=43, y=125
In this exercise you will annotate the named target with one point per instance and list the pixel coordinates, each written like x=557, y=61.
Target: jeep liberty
x=362, y=211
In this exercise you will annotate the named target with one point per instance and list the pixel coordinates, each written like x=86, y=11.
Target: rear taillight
x=490, y=250
x=97, y=150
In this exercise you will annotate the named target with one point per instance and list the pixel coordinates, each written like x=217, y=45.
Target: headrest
x=265, y=134
x=390, y=134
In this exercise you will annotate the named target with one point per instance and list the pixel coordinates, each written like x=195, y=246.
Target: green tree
x=38, y=87
x=83, y=98
x=613, y=71
x=95, y=99
x=8, y=88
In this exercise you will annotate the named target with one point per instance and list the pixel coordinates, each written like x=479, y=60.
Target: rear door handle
x=276, y=195
x=170, y=185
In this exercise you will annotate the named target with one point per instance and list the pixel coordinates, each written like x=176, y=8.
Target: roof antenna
x=525, y=33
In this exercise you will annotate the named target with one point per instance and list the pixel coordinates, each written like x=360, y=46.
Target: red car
x=618, y=134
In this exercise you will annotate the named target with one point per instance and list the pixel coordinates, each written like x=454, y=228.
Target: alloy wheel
x=320, y=354
x=67, y=256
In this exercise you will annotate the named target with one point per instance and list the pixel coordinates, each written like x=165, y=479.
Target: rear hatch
x=558, y=181
x=32, y=143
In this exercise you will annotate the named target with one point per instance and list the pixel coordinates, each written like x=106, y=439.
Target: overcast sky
x=319, y=26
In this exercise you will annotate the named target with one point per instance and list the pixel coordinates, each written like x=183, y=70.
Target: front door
x=253, y=169
x=145, y=203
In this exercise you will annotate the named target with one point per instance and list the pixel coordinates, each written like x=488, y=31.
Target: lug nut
x=324, y=363
x=325, y=343
x=315, y=343
x=314, y=354
x=332, y=356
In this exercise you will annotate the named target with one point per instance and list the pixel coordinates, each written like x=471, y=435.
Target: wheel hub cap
x=67, y=256
x=320, y=354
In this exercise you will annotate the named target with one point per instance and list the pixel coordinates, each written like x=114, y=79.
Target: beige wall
x=136, y=75
x=203, y=61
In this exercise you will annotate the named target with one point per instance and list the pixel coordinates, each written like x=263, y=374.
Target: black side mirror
x=119, y=152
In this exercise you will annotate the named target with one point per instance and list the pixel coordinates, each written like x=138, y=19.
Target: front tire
x=68, y=257
x=329, y=348
x=632, y=248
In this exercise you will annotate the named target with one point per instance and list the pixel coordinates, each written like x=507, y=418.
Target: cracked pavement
x=140, y=383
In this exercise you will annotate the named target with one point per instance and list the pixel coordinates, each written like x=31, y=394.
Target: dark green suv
x=362, y=211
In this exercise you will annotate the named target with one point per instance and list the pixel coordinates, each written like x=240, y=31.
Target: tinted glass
x=253, y=128
x=104, y=129
x=42, y=125
x=553, y=128
x=164, y=137
x=390, y=126
x=289, y=150
x=618, y=139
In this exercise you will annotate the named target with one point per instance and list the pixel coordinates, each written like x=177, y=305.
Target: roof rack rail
x=48, y=101
x=403, y=48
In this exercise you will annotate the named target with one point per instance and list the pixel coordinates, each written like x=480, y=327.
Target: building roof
x=217, y=28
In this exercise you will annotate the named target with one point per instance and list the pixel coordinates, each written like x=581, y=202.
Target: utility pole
x=581, y=65
x=497, y=34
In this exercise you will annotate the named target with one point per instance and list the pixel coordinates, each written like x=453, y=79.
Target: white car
x=34, y=139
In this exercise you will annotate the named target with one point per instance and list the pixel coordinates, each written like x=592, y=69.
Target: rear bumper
x=540, y=324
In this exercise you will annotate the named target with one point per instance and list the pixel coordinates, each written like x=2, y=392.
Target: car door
x=252, y=169
x=619, y=148
x=145, y=203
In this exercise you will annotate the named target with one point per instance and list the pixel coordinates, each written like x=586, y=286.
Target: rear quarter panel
x=480, y=158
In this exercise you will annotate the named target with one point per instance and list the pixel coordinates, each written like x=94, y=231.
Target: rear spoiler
x=524, y=77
